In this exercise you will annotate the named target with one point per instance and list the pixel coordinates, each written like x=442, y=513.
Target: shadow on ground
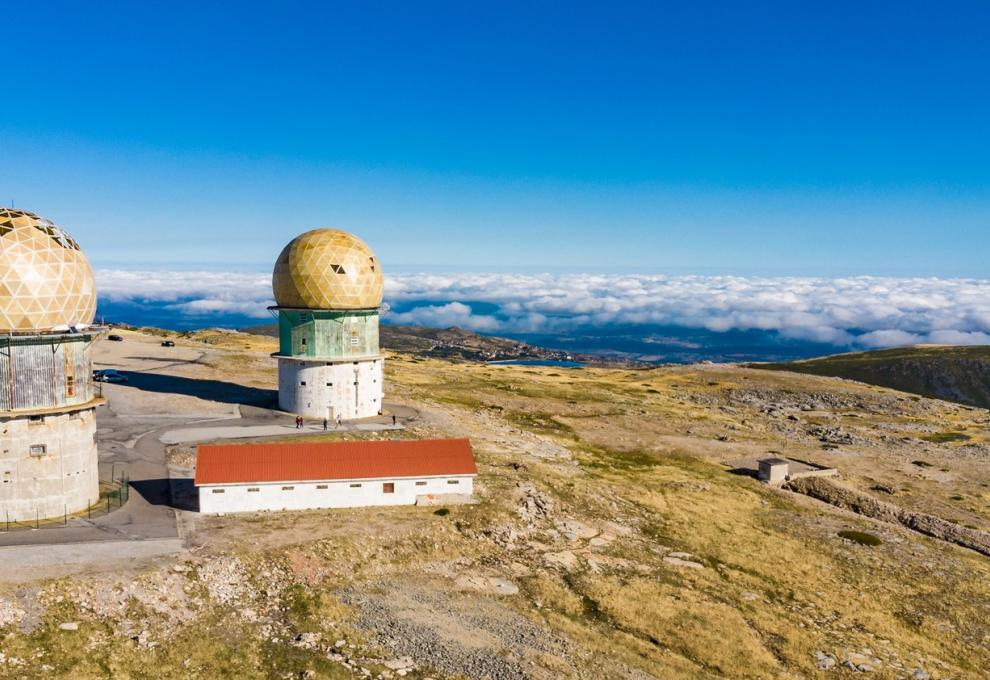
x=180, y=494
x=212, y=390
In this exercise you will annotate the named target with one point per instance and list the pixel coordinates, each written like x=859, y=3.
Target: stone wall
x=864, y=504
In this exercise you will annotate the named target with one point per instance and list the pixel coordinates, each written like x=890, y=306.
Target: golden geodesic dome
x=327, y=269
x=45, y=279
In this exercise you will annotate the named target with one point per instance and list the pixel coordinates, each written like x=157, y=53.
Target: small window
x=288, y=488
x=253, y=489
x=388, y=487
x=302, y=383
x=355, y=486
x=453, y=481
x=36, y=420
x=218, y=490
x=337, y=269
x=38, y=450
x=322, y=486
x=303, y=342
x=329, y=384
x=420, y=483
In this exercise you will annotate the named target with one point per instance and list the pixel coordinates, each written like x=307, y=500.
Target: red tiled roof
x=288, y=462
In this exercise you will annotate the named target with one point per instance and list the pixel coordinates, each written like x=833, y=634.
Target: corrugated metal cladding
x=45, y=371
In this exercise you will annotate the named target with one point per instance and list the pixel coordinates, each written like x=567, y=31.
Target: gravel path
x=455, y=634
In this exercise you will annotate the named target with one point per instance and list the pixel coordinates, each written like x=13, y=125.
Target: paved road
x=140, y=420
x=32, y=562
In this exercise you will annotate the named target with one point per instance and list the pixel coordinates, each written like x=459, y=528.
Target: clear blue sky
x=752, y=138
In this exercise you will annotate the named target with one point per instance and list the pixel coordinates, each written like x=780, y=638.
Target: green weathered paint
x=320, y=334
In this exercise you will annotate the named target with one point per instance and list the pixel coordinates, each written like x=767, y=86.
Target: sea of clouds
x=854, y=311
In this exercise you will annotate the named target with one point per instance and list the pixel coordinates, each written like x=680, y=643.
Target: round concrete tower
x=328, y=288
x=48, y=457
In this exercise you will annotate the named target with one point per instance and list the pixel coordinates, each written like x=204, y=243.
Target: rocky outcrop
x=868, y=506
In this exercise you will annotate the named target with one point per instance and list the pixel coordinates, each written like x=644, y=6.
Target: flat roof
x=319, y=461
x=774, y=461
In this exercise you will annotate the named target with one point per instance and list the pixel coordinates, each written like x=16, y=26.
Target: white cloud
x=444, y=316
x=865, y=311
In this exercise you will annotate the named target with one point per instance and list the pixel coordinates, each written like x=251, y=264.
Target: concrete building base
x=48, y=464
x=322, y=389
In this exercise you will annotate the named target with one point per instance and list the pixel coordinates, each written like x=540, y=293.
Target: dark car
x=109, y=375
x=168, y=343
x=115, y=338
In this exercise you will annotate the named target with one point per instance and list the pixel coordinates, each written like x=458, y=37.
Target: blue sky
x=785, y=138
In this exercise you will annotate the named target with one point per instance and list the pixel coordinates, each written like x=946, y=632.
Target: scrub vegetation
x=617, y=534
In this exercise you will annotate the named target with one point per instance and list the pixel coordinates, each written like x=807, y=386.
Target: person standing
x=393, y=419
x=325, y=424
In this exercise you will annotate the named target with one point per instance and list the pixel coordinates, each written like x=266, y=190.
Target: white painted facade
x=48, y=464
x=312, y=495
x=323, y=389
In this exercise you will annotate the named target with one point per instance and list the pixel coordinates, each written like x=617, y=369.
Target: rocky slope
x=959, y=374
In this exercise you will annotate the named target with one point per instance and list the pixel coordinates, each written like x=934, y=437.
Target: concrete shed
x=774, y=470
x=304, y=476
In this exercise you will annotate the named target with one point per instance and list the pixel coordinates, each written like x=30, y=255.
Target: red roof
x=288, y=462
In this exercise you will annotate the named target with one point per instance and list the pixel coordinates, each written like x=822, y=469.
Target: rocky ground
x=611, y=540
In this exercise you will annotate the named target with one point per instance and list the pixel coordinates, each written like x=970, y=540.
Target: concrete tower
x=48, y=457
x=328, y=288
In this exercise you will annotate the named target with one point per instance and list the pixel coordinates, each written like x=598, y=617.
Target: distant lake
x=539, y=362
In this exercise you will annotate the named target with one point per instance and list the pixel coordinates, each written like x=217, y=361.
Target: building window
x=218, y=490
x=303, y=342
x=453, y=481
x=253, y=489
x=70, y=385
x=38, y=450
x=303, y=383
x=355, y=486
x=322, y=486
x=329, y=384
x=388, y=487
x=288, y=488
x=420, y=483
x=36, y=420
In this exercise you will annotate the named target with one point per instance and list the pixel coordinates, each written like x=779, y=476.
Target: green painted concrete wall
x=320, y=334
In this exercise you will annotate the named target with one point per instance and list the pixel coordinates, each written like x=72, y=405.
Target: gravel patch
x=477, y=638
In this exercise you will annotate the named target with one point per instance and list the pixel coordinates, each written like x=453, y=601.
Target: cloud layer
x=855, y=311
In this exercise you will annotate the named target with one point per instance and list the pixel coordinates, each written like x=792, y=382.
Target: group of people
x=300, y=422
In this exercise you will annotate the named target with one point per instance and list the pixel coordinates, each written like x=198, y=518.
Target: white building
x=305, y=476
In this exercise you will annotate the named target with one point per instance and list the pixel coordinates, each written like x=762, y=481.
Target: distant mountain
x=959, y=374
x=450, y=343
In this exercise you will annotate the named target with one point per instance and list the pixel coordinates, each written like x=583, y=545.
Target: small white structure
x=773, y=470
x=306, y=476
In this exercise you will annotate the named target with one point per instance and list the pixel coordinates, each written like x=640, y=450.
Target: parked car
x=115, y=338
x=168, y=343
x=109, y=375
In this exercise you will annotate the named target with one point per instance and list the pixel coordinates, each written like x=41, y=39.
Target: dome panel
x=45, y=279
x=327, y=269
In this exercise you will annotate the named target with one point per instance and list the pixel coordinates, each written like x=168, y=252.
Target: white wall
x=330, y=389
x=338, y=494
x=64, y=479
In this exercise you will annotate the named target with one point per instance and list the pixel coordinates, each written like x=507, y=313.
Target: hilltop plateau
x=945, y=372
x=618, y=533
